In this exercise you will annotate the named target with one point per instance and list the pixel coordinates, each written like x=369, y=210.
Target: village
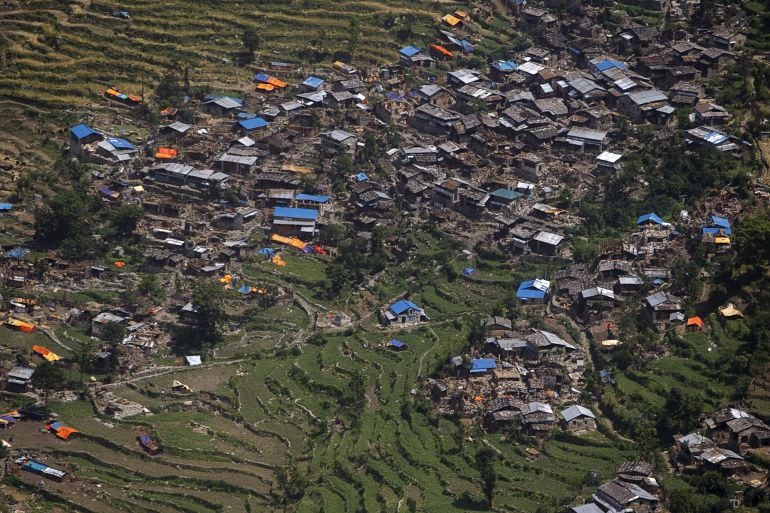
x=339, y=164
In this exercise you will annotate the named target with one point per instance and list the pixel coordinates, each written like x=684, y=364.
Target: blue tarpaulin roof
x=609, y=63
x=253, y=123
x=261, y=77
x=82, y=131
x=527, y=290
x=652, y=217
x=467, y=46
x=6, y=206
x=296, y=213
x=505, y=66
x=313, y=82
x=396, y=343
x=402, y=306
x=362, y=177
x=315, y=198
x=480, y=365
x=17, y=253
x=721, y=222
x=120, y=144
x=409, y=51
x=468, y=271
x=267, y=251
x=245, y=289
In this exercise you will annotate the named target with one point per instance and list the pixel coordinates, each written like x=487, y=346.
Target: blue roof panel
x=409, y=51
x=253, y=123
x=296, y=213
x=402, y=306
x=120, y=144
x=313, y=82
x=483, y=365
x=315, y=198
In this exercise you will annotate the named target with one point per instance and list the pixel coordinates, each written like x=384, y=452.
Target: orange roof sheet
x=440, y=49
x=289, y=241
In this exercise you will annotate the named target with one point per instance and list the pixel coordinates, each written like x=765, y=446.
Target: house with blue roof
x=415, y=56
x=315, y=201
x=81, y=135
x=482, y=365
x=718, y=232
x=503, y=198
x=295, y=222
x=533, y=291
x=403, y=313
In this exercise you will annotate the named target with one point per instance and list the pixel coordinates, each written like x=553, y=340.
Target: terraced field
x=286, y=417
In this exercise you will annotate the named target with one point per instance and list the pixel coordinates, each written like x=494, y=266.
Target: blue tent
x=17, y=253
x=468, y=271
x=261, y=77
x=5, y=206
x=396, y=344
x=721, y=222
x=267, y=251
x=245, y=290
x=362, y=177
x=652, y=217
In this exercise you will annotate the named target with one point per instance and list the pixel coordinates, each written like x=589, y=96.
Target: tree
x=63, y=217
x=752, y=240
x=681, y=411
x=48, y=376
x=83, y=355
x=485, y=465
x=168, y=92
x=250, y=40
x=208, y=302
x=125, y=218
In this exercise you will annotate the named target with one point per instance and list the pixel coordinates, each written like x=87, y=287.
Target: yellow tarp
x=46, y=353
x=277, y=260
x=138, y=188
x=20, y=325
x=292, y=168
x=451, y=20
x=226, y=279
x=722, y=240
x=289, y=241
x=730, y=311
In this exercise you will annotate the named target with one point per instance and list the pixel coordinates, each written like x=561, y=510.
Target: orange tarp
x=64, y=432
x=695, y=321
x=46, y=353
x=134, y=98
x=440, y=49
x=289, y=241
x=277, y=260
x=266, y=87
x=166, y=153
x=112, y=92
x=276, y=82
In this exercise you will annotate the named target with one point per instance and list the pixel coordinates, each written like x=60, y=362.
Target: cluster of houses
x=727, y=438
x=634, y=488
